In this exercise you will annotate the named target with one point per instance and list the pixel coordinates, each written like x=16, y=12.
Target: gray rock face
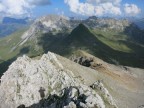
x=83, y=61
x=45, y=83
x=142, y=106
x=107, y=23
x=100, y=87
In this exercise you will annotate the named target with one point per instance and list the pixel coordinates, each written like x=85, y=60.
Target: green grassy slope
x=6, y=44
x=130, y=53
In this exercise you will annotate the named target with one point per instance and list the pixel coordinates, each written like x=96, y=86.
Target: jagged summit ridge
x=26, y=78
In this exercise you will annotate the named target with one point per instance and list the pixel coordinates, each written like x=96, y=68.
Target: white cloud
x=18, y=8
x=94, y=7
x=102, y=7
x=115, y=2
x=131, y=9
x=12, y=7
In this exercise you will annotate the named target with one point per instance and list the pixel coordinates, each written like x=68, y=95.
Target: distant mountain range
x=11, y=25
x=140, y=23
x=8, y=20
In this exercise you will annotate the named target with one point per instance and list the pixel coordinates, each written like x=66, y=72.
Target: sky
x=76, y=8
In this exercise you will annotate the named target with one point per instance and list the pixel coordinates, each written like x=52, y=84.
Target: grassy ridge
x=112, y=39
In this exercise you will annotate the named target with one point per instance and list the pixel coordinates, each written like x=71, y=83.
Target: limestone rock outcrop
x=45, y=83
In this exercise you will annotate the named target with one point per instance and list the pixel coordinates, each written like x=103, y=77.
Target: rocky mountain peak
x=45, y=82
x=53, y=17
x=9, y=20
x=92, y=18
x=47, y=24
